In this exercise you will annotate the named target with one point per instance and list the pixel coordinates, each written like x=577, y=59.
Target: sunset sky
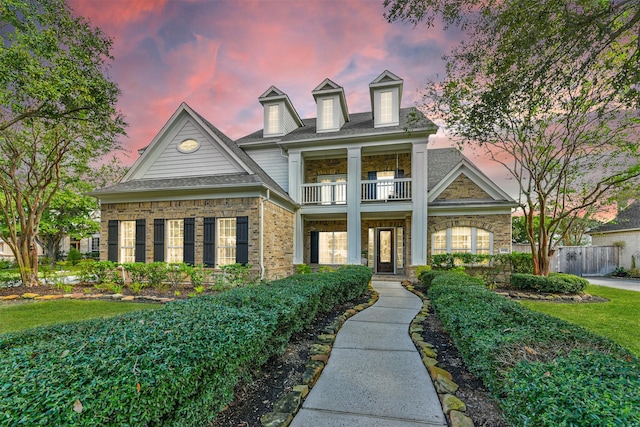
x=220, y=56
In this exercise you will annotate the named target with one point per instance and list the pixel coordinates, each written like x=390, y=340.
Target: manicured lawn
x=16, y=317
x=618, y=319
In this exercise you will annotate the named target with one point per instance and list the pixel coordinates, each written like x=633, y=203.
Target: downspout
x=262, y=200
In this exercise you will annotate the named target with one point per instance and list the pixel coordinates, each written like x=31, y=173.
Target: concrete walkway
x=375, y=376
x=616, y=282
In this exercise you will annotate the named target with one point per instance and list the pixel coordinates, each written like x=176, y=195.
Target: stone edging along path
x=78, y=296
x=287, y=406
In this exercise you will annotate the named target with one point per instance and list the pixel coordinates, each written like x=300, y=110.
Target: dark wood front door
x=385, y=251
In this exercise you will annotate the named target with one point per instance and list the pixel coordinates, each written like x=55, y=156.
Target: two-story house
x=340, y=188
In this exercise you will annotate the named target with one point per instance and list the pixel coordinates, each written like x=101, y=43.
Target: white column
x=295, y=192
x=354, y=172
x=419, y=192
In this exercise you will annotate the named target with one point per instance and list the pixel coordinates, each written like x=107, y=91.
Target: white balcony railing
x=386, y=190
x=325, y=193
x=335, y=193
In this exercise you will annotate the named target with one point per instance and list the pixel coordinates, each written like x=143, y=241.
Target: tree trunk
x=27, y=259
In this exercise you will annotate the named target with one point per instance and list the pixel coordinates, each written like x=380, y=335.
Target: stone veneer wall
x=338, y=166
x=463, y=188
x=278, y=241
x=315, y=167
x=498, y=224
x=386, y=162
x=278, y=226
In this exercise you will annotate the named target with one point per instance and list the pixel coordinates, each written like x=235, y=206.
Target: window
x=332, y=247
x=226, y=242
x=384, y=188
x=327, y=114
x=273, y=119
x=127, y=241
x=95, y=244
x=461, y=240
x=175, y=240
x=386, y=107
x=335, y=190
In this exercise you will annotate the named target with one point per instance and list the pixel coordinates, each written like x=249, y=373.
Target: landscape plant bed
x=174, y=366
x=542, y=370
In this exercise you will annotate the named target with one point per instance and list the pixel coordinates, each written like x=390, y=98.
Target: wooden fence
x=581, y=260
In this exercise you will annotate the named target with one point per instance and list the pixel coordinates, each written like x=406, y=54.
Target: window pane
x=327, y=114
x=483, y=241
x=439, y=242
x=127, y=241
x=386, y=107
x=273, y=125
x=175, y=240
x=332, y=247
x=226, y=243
x=399, y=247
x=370, y=248
x=460, y=239
x=384, y=188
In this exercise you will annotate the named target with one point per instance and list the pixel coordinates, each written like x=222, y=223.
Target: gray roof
x=441, y=161
x=359, y=124
x=191, y=182
x=627, y=219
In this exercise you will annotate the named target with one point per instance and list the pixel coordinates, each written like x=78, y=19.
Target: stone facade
x=463, y=188
x=309, y=226
x=386, y=162
x=316, y=167
x=278, y=226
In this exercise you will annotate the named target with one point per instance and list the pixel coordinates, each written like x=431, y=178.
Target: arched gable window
x=462, y=239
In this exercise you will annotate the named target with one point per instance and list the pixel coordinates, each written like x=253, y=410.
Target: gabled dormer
x=386, y=95
x=280, y=117
x=331, y=106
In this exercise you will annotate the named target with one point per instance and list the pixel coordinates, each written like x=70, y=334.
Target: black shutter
x=209, y=242
x=189, y=243
x=158, y=240
x=112, y=241
x=400, y=186
x=242, y=240
x=315, y=247
x=371, y=187
x=141, y=236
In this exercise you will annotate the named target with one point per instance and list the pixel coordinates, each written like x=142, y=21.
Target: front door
x=384, y=257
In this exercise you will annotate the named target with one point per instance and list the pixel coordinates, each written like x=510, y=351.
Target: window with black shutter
x=209, y=236
x=112, y=240
x=315, y=251
x=158, y=240
x=141, y=235
x=189, y=244
x=242, y=239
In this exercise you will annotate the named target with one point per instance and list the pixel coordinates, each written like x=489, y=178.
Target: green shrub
x=137, y=271
x=527, y=358
x=156, y=274
x=303, y=269
x=554, y=283
x=176, y=366
x=74, y=256
x=234, y=275
x=100, y=272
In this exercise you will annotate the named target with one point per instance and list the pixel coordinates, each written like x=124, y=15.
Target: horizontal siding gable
x=274, y=164
x=209, y=159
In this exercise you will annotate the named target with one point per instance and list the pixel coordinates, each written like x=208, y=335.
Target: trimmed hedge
x=175, y=366
x=554, y=283
x=542, y=370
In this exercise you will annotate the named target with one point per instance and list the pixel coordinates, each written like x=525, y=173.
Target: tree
x=550, y=91
x=57, y=113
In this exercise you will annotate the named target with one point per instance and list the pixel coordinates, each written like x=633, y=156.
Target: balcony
x=384, y=190
x=335, y=193
x=325, y=193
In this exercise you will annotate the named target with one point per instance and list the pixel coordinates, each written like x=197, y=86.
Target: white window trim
x=333, y=248
x=332, y=193
x=174, y=245
x=219, y=236
x=473, y=241
x=127, y=248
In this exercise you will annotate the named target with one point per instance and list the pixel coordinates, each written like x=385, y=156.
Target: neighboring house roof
x=250, y=175
x=627, y=219
x=359, y=124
